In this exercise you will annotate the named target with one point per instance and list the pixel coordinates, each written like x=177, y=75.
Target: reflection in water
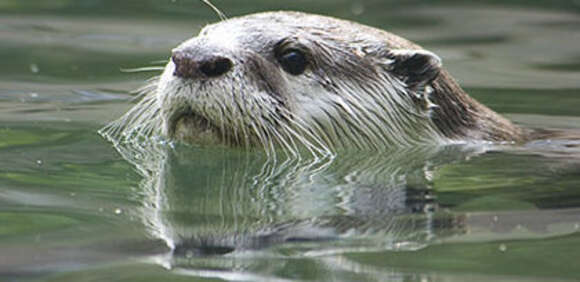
x=235, y=202
x=215, y=206
x=253, y=203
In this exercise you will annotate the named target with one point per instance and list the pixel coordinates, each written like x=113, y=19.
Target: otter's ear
x=416, y=68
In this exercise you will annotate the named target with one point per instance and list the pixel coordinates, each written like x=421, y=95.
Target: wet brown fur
x=458, y=116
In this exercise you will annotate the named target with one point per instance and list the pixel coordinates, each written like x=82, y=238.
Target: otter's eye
x=293, y=61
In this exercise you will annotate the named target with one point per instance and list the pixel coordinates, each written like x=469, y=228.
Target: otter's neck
x=459, y=116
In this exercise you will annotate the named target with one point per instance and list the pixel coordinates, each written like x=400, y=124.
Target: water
x=74, y=208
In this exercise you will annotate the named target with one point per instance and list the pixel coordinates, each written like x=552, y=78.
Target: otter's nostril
x=184, y=66
x=215, y=66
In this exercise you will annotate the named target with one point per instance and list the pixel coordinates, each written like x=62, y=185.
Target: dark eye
x=293, y=61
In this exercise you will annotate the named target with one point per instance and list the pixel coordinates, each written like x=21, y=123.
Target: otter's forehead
x=260, y=31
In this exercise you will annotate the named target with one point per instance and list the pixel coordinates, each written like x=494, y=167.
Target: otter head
x=287, y=79
x=292, y=80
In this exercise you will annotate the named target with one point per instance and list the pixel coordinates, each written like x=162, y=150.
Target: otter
x=293, y=80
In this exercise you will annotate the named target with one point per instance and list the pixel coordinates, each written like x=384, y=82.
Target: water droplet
x=39, y=162
x=101, y=209
x=502, y=248
x=357, y=8
x=33, y=95
x=118, y=211
x=495, y=218
x=34, y=68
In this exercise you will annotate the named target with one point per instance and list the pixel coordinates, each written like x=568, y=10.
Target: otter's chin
x=194, y=129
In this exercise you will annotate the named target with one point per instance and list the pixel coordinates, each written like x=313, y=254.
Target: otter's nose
x=191, y=66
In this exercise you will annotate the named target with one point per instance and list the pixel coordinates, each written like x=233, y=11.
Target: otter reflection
x=236, y=201
x=213, y=207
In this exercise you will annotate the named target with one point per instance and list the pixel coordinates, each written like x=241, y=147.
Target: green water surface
x=74, y=208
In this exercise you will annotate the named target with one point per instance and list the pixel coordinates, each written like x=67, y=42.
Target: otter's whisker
x=144, y=69
x=320, y=146
x=215, y=9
